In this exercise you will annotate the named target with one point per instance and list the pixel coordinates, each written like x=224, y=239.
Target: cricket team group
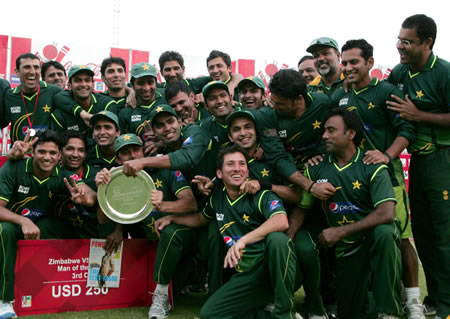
x=257, y=194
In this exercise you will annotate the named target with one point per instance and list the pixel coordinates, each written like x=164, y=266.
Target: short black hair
x=174, y=88
x=288, y=83
x=68, y=134
x=363, y=45
x=170, y=56
x=46, y=65
x=351, y=122
x=26, y=56
x=306, y=57
x=48, y=136
x=424, y=25
x=219, y=54
x=229, y=149
x=112, y=59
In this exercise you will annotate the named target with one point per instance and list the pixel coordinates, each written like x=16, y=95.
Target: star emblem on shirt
x=345, y=221
x=77, y=222
x=151, y=225
x=158, y=183
x=50, y=194
x=126, y=137
x=46, y=108
x=316, y=124
x=351, y=108
x=246, y=218
x=371, y=106
x=356, y=184
x=419, y=94
x=159, y=109
x=264, y=172
x=146, y=67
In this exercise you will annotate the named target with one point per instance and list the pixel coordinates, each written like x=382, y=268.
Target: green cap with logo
x=213, y=85
x=323, y=41
x=160, y=109
x=255, y=80
x=126, y=139
x=238, y=114
x=142, y=69
x=80, y=68
x=105, y=115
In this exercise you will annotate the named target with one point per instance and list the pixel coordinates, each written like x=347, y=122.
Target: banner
x=51, y=276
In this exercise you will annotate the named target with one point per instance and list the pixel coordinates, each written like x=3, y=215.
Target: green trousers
x=378, y=257
x=58, y=228
x=9, y=237
x=429, y=188
x=271, y=281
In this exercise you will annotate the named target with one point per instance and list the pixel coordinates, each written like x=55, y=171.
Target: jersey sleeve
x=108, y=104
x=177, y=182
x=270, y=204
x=4, y=87
x=307, y=200
x=57, y=121
x=66, y=103
x=208, y=210
x=7, y=180
x=197, y=84
x=381, y=187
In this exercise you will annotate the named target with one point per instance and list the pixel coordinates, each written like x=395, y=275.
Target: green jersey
x=120, y=101
x=360, y=188
x=195, y=84
x=429, y=90
x=381, y=126
x=170, y=183
x=63, y=120
x=319, y=86
x=95, y=157
x=241, y=216
x=133, y=120
x=36, y=112
x=4, y=87
x=263, y=170
x=26, y=194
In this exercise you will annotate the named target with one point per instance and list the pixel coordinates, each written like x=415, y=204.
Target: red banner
x=51, y=277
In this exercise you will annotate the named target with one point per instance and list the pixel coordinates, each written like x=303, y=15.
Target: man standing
x=361, y=221
x=326, y=60
x=28, y=106
x=114, y=74
x=424, y=78
x=307, y=69
x=54, y=72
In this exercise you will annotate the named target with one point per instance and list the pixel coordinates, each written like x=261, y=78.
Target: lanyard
x=35, y=104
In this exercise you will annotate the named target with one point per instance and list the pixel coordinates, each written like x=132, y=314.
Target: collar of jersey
x=17, y=90
x=354, y=159
x=229, y=199
x=427, y=67
x=29, y=170
x=373, y=82
x=99, y=155
x=337, y=81
x=157, y=96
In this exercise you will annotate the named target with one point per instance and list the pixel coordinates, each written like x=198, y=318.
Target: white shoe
x=298, y=316
x=6, y=310
x=414, y=310
x=429, y=310
x=317, y=316
x=269, y=307
x=160, y=308
x=383, y=315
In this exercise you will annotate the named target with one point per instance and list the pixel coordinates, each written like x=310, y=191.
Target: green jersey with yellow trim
x=196, y=84
x=218, y=131
x=241, y=216
x=381, y=126
x=170, y=183
x=360, y=188
x=263, y=170
x=120, y=101
x=21, y=115
x=4, y=87
x=133, y=120
x=319, y=86
x=429, y=90
x=302, y=137
x=26, y=194
x=95, y=157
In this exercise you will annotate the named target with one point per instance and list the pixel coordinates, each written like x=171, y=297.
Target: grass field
x=186, y=307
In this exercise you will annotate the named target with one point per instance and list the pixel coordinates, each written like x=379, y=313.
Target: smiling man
x=307, y=68
x=114, y=74
x=54, y=72
x=252, y=92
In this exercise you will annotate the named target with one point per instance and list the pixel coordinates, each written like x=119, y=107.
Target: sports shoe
x=429, y=310
x=332, y=311
x=298, y=316
x=317, y=317
x=383, y=315
x=414, y=310
x=160, y=308
x=6, y=310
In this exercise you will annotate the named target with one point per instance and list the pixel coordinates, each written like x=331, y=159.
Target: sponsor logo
x=23, y=189
x=219, y=217
x=367, y=128
x=282, y=133
x=31, y=213
x=230, y=241
x=179, y=176
x=15, y=109
x=26, y=301
x=323, y=180
x=74, y=128
x=401, y=86
x=189, y=140
x=274, y=204
x=135, y=118
x=270, y=132
x=343, y=208
x=343, y=101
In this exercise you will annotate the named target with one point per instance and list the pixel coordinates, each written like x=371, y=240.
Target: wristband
x=310, y=186
x=265, y=184
x=388, y=156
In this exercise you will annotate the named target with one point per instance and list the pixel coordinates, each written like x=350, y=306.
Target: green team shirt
x=429, y=90
x=120, y=101
x=319, y=86
x=360, y=189
x=25, y=194
x=4, y=86
x=196, y=84
x=170, y=183
x=263, y=170
x=241, y=216
x=63, y=120
x=133, y=120
x=95, y=158
x=302, y=137
x=381, y=126
x=15, y=112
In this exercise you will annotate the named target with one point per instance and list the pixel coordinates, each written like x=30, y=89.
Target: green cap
x=214, y=85
x=324, y=41
x=160, y=109
x=105, y=115
x=126, y=139
x=238, y=114
x=79, y=68
x=140, y=70
x=255, y=80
